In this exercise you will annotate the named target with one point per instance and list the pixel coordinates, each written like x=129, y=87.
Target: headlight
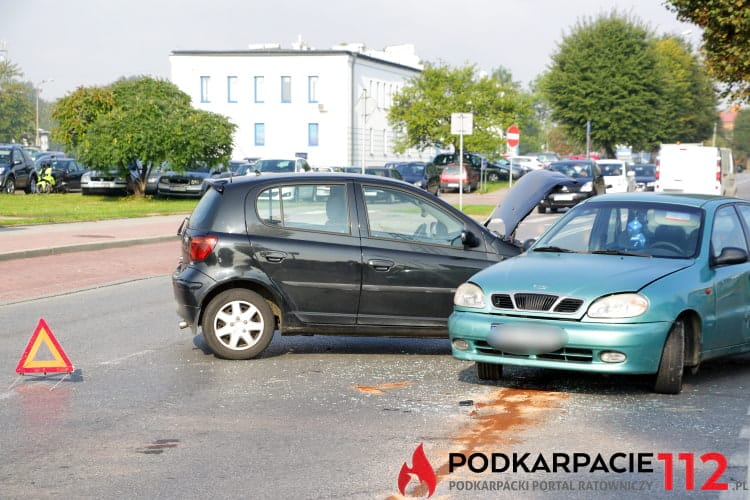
x=469, y=295
x=86, y=177
x=587, y=188
x=2, y=170
x=623, y=305
x=418, y=183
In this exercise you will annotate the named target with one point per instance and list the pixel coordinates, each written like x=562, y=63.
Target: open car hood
x=526, y=194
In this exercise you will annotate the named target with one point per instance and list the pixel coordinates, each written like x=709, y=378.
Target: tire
x=671, y=366
x=10, y=186
x=493, y=177
x=31, y=186
x=541, y=209
x=468, y=188
x=231, y=337
x=489, y=371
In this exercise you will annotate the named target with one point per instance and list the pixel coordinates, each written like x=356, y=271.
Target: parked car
x=187, y=183
x=16, y=169
x=645, y=176
x=282, y=165
x=67, y=173
x=494, y=170
x=526, y=162
x=421, y=174
x=109, y=181
x=379, y=171
x=589, y=182
x=339, y=265
x=451, y=178
x=660, y=285
x=47, y=155
x=545, y=158
x=617, y=177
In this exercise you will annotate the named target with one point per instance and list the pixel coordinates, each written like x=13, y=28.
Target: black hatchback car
x=268, y=252
x=589, y=182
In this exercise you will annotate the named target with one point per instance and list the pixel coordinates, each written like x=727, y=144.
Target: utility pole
x=38, y=89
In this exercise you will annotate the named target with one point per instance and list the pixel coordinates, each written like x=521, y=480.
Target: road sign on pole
x=513, y=136
x=461, y=124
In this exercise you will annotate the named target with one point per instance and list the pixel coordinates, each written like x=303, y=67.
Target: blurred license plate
x=564, y=197
x=529, y=338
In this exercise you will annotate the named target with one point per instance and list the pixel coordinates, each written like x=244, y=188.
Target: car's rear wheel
x=489, y=371
x=31, y=187
x=671, y=366
x=541, y=209
x=238, y=324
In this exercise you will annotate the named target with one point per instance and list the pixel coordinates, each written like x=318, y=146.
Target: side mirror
x=729, y=256
x=469, y=239
x=527, y=244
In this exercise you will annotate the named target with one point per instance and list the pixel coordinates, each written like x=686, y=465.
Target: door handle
x=274, y=257
x=381, y=265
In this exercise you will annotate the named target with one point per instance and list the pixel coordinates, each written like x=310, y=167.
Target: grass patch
x=477, y=210
x=22, y=209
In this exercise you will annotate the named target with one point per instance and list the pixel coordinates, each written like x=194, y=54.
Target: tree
x=741, y=137
x=141, y=121
x=726, y=39
x=422, y=110
x=686, y=111
x=16, y=105
x=612, y=73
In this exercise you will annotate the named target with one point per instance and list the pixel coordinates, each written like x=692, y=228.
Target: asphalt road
x=149, y=413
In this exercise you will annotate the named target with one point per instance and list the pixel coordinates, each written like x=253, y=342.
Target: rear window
x=205, y=211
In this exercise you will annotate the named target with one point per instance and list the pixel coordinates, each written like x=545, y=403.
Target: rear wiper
x=553, y=249
x=612, y=251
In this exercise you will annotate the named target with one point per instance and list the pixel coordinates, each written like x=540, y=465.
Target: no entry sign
x=513, y=136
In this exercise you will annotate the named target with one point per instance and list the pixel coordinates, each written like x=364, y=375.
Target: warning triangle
x=43, y=336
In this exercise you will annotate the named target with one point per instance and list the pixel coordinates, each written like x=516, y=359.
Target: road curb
x=80, y=247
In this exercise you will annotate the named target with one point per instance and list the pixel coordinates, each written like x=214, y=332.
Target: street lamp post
x=38, y=88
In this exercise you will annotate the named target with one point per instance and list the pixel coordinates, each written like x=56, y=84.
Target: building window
x=231, y=89
x=312, y=89
x=286, y=89
x=259, y=94
x=312, y=134
x=204, y=88
x=260, y=134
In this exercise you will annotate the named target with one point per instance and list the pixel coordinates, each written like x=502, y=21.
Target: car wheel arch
x=693, y=337
x=272, y=299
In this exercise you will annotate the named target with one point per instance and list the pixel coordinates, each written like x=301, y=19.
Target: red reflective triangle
x=28, y=362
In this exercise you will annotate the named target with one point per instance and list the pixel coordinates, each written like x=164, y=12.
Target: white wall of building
x=354, y=92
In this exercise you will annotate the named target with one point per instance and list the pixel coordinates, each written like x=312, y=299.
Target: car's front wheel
x=10, y=186
x=489, y=371
x=31, y=187
x=493, y=177
x=238, y=324
x=671, y=366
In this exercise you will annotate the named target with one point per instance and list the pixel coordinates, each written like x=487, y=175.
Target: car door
x=412, y=259
x=307, y=246
x=731, y=282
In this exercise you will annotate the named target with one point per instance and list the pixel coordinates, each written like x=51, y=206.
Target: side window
x=393, y=214
x=727, y=231
x=300, y=207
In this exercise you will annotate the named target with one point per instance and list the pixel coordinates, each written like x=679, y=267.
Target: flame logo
x=421, y=468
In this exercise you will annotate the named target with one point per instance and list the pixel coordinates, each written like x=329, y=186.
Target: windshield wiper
x=612, y=251
x=553, y=249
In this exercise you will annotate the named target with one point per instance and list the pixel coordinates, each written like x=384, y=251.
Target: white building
x=328, y=105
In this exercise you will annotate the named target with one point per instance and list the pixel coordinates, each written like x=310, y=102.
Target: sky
x=61, y=45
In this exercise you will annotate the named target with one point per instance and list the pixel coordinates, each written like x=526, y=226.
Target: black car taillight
x=201, y=247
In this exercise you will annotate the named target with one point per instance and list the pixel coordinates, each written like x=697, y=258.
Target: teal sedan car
x=633, y=283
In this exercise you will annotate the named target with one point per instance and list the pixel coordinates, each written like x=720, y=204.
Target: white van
x=694, y=168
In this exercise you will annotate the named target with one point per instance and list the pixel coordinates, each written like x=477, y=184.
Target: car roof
x=688, y=199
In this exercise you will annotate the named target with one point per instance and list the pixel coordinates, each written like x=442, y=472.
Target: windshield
x=643, y=170
x=4, y=156
x=274, y=166
x=411, y=170
x=612, y=169
x=628, y=228
x=574, y=170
